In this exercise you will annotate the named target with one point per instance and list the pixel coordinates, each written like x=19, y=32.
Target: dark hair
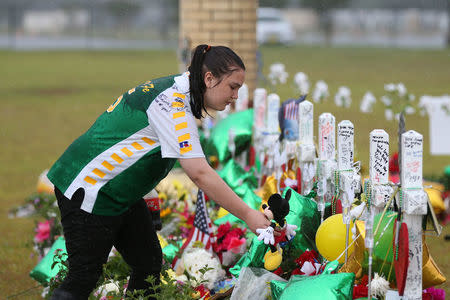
x=219, y=60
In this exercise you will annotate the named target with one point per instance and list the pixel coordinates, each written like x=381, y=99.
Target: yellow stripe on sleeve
x=184, y=137
x=182, y=96
x=177, y=104
x=178, y=114
x=126, y=151
x=108, y=165
x=117, y=158
x=98, y=173
x=137, y=146
x=148, y=141
x=180, y=126
x=90, y=180
x=185, y=149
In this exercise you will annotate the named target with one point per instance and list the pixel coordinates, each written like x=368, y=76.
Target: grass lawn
x=49, y=98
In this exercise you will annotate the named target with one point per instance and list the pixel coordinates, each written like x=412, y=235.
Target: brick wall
x=230, y=23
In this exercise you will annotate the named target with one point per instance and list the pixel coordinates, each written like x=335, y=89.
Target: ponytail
x=196, y=82
x=219, y=60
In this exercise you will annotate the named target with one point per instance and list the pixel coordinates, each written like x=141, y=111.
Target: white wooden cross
x=306, y=151
x=259, y=124
x=271, y=130
x=378, y=190
x=379, y=170
x=273, y=106
x=414, y=206
x=327, y=159
x=347, y=177
x=259, y=110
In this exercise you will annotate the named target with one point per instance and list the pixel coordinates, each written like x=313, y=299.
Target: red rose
x=223, y=230
x=360, y=291
x=278, y=271
x=308, y=255
x=364, y=280
x=297, y=272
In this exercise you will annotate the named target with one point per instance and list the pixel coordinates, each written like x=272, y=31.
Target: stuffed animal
x=276, y=209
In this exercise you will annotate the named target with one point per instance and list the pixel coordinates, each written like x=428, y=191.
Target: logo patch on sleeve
x=185, y=147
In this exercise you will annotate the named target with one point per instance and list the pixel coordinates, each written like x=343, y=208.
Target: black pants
x=89, y=240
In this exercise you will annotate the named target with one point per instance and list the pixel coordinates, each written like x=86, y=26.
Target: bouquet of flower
x=231, y=242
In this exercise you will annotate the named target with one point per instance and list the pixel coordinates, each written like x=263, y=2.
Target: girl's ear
x=209, y=79
x=288, y=195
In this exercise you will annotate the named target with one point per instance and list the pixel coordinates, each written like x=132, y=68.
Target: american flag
x=291, y=111
x=202, y=230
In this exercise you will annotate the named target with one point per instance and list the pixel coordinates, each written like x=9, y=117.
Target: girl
x=101, y=178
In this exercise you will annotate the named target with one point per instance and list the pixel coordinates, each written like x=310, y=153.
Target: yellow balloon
x=330, y=238
x=162, y=241
x=222, y=213
x=436, y=200
x=44, y=185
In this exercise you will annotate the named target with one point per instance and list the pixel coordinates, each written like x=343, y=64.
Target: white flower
x=308, y=268
x=388, y=114
x=422, y=100
x=45, y=291
x=367, y=102
x=409, y=110
x=302, y=82
x=109, y=287
x=424, y=105
x=320, y=91
x=386, y=100
x=411, y=97
x=183, y=278
x=196, y=259
x=401, y=89
x=390, y=87
x=379, y=285
x=342, y=97
x=277, y=73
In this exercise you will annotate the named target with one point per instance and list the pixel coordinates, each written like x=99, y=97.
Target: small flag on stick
x=202, y=230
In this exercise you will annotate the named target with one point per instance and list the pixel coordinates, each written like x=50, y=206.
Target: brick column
x=229, y=23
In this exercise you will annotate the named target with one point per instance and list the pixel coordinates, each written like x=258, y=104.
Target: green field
x=49, y=98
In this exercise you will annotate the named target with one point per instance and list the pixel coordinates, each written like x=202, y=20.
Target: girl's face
x=222, y=91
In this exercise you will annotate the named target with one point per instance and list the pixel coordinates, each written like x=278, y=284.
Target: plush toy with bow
x=276, y=209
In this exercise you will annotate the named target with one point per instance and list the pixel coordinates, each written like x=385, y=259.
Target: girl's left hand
x=256, y=219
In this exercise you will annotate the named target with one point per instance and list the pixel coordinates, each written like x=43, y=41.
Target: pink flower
x=229, y=238
x=43, y=231
x=235, y=244
x=184, y=231
x=438, y=294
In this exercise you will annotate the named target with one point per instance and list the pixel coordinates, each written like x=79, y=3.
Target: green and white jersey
x=131, y=147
